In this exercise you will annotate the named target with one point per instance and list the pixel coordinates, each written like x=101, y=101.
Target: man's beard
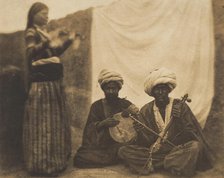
x=111, y=98
x=162, y=103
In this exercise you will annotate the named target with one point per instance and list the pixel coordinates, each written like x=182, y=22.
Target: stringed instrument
x=124, y=132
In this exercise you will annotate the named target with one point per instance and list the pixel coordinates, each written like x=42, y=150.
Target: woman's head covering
x=107, y=76
x=35, y=8
x=160, y=76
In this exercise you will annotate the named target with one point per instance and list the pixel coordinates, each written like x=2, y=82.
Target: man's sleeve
x=189, y=131
x=91, y=135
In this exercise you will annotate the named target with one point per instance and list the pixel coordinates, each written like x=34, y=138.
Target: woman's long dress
x=46, y=131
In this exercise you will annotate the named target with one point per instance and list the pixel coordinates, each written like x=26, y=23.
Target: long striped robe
x=46, y=136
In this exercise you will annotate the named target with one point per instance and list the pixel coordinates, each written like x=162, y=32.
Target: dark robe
x=184, y=130
x=98, y=148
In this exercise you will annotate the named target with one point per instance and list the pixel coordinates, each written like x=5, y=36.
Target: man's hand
x=132, y=109
x=176, y=111
x=138, y=127
x=109, y=122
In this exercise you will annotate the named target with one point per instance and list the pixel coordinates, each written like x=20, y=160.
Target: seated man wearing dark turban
x=98, y=148
x=187, y=148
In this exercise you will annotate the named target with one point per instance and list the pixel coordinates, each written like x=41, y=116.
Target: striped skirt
x=46, y=131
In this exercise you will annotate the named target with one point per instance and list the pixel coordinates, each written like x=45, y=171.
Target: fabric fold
x=133, y=37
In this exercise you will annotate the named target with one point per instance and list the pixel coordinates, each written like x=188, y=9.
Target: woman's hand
x=46, y=42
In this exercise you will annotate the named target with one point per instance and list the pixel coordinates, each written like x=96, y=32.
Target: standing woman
x=46, y=132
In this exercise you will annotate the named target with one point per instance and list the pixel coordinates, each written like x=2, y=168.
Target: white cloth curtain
x=133, y=37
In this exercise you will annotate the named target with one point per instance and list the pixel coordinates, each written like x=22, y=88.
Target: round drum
x=124, y=131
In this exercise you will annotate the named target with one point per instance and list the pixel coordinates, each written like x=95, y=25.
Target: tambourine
x=123, y=132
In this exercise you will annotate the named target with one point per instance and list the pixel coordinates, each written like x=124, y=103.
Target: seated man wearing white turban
x=187, y=148
x=98, y=148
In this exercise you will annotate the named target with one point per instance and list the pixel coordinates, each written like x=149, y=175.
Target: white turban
x=160, y=76
x=106, y=76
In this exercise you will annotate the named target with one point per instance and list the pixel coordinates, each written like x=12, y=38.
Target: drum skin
x=123, y=132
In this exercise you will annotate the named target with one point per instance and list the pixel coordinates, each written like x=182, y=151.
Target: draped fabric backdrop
x=133, y=37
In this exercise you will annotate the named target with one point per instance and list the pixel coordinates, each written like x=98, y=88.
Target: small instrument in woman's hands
x=66, y=35
x=60, y=36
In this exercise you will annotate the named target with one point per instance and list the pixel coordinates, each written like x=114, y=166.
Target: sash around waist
x=46, y=72
x=44, y=61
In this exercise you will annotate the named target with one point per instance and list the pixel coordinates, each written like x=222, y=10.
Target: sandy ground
x=117, y=171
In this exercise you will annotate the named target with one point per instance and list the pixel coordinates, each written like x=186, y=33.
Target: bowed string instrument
x=161, y=137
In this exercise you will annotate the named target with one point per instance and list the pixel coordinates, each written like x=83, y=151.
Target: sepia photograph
x=112, y=88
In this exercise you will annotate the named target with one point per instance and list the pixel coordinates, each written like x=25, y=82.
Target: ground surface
x=117, y=171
